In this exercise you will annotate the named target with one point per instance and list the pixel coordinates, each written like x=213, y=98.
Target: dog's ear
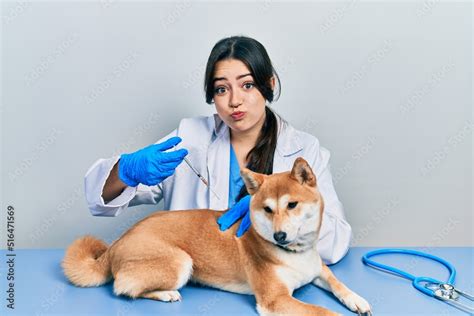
x=252, y=180
x=303, y=173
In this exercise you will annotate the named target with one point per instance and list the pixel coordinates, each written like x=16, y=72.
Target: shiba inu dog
x=162, y=252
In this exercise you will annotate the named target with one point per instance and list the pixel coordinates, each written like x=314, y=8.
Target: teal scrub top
x=235, y=180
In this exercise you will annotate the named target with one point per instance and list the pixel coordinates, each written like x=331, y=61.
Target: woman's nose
x=235, y=99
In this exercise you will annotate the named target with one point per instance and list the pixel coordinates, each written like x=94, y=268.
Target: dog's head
x=286, y=208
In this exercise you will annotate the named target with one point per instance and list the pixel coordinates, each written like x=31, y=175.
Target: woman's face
x=238, y=102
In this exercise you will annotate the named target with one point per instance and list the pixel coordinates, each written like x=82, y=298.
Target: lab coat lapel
x=218, y=165
x=288, y=145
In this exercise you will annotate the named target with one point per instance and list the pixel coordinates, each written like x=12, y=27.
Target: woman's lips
x=238, y=115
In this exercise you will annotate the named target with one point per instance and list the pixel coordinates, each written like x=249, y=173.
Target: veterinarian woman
x=240, y=82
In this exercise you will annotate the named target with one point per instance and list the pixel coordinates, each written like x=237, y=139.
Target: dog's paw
x=356, y=303
x=165, y=296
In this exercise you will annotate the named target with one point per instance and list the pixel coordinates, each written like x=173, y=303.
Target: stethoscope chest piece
x=451, y=295
x=444, y=291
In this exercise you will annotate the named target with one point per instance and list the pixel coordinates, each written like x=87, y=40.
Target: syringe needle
x=215, y=194
x=200, y=176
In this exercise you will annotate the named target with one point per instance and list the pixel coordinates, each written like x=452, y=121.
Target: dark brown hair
x=255, y=57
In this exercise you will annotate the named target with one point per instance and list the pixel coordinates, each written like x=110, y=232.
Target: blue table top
x=41, y=288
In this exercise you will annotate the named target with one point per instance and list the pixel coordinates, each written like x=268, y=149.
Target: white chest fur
x=298, y=268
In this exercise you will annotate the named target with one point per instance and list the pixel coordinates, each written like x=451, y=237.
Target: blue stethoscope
x=444, y=291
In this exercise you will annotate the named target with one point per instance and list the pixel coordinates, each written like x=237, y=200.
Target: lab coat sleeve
x=94, y=182
x=336, y=233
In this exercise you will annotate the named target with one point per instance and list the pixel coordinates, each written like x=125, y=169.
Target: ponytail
x=260, y=157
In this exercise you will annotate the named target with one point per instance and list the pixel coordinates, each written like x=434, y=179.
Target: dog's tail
x=86, y=262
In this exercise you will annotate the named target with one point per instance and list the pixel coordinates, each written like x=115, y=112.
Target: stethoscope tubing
x=416, y=281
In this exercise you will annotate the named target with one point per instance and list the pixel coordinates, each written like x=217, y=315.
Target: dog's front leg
x=285, y=304
x=274, y=298
x=329, y=282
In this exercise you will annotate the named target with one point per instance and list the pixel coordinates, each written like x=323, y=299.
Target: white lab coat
x=207, y=141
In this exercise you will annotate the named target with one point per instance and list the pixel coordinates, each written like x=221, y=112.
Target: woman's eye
x=267, y=209
x=292, y=205
x=249, y=85
x=219, y=90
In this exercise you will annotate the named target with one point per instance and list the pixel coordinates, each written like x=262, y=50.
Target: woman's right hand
x=150, y=165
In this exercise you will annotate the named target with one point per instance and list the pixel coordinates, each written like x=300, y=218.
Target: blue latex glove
x=151, y=165
x=239, y=210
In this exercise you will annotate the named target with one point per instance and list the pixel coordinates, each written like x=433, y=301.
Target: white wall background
x=386, y=86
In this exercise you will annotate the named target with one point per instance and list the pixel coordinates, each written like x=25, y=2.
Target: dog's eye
x=267, y=209
x=292, y=205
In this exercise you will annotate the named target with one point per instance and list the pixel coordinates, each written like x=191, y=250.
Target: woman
x=240, y=80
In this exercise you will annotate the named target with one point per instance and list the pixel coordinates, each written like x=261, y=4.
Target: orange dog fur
x=162, y=252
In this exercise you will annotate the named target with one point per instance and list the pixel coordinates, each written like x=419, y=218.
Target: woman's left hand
x=232, y=215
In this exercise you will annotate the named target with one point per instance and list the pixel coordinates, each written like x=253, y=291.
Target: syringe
x=200, y=176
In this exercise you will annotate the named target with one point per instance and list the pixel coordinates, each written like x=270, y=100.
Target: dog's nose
x=279, y=236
